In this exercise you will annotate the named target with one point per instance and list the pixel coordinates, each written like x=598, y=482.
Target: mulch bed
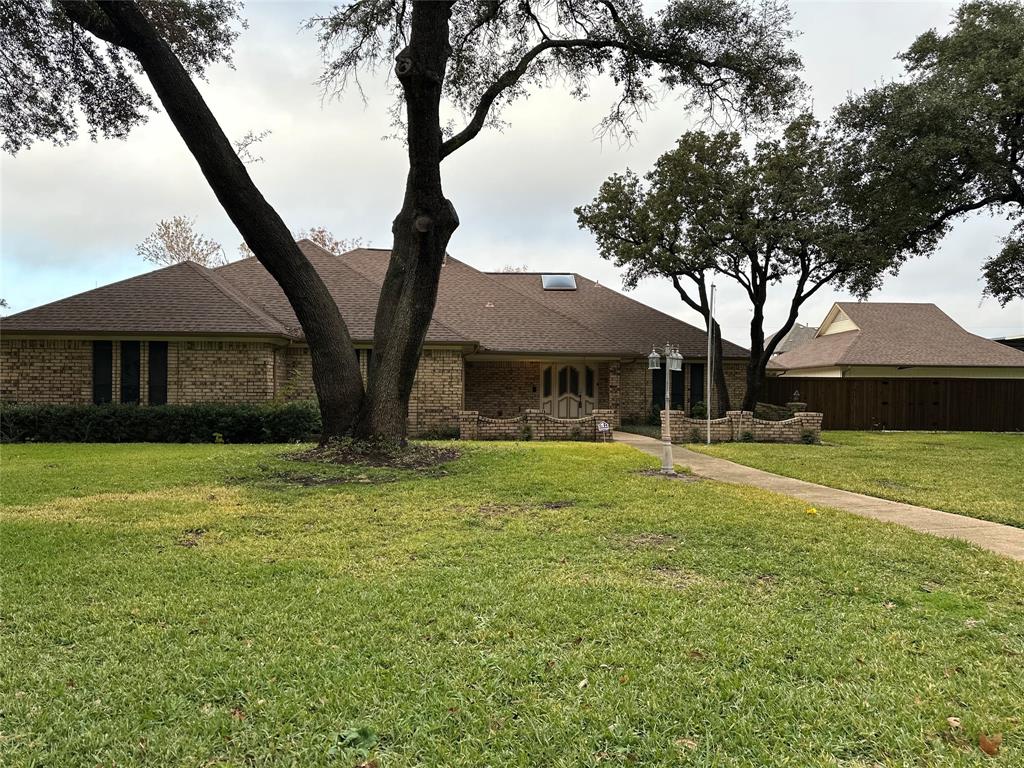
x=377, y=454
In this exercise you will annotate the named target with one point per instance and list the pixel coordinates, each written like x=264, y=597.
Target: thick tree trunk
x=336, y=375
x=758, y=361
x=422, y=230
x=721, y=388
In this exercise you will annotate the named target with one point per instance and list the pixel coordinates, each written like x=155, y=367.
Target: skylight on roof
x=558, y=282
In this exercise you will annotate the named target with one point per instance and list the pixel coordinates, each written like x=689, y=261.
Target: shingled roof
x=493, y=313
x=181, y=299
x=898, y=334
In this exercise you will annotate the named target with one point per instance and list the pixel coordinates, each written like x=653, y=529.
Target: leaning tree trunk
x=421, y=232
x=336, y=376
x=721, y=387
x=758, y=361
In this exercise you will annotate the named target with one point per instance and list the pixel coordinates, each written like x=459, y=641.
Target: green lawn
x=979, y=474
x=534, y=605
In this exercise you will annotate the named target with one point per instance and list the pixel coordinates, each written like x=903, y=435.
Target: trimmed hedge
x=198, y=423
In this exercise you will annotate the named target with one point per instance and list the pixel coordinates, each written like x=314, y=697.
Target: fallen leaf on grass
x=686, y=743
x=990, y=744
x=954, y=722
x=583, y=683
x=238, y=713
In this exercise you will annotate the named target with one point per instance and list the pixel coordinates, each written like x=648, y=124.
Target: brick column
x=534, y=423
x=615, y=391
x=810, y=422
x=469, y=426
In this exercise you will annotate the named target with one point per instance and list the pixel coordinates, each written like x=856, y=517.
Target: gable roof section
x=607, y=313
x=355, y=294
x=181, y=299
x=486, y=310
x=899, y=334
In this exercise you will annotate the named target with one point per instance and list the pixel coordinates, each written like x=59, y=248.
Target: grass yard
x=526, y=605
x=979, y=474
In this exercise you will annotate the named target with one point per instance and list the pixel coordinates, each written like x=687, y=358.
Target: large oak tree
x=63, y=58
x=769, y=220
x=945, y=141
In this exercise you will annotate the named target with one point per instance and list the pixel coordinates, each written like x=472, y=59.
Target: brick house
x=499, y=343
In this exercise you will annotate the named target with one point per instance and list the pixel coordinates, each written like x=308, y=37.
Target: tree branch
x=510, y=77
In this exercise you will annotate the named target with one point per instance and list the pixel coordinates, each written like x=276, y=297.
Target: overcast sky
x=70, y=217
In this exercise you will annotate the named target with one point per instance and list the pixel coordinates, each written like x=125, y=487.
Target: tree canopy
x=945, y=141
x=727, y=57
x=708, y=207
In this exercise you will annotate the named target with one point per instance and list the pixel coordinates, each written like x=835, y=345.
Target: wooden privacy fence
x=988, y=405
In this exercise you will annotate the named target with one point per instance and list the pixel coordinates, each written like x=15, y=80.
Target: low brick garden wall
x=536, y=425
x=738, y=426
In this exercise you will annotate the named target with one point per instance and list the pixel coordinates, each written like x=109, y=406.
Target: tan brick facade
x=60, y=371
x=220, y=372
x=502, y=389
x=636, y=398
x=48, y=371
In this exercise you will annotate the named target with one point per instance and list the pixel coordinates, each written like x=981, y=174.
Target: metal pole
x=667, y=464
x=711, y=361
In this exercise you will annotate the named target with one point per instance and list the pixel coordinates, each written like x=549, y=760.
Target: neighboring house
x=499, y=343
x=1017, y=342
x=798, y=334
x=902, y=366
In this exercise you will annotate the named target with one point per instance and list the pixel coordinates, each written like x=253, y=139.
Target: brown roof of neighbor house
x=499, y=313
x=798, y=334
x=902, y=335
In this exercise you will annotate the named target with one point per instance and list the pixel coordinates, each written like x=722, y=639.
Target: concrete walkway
x=1002, y=539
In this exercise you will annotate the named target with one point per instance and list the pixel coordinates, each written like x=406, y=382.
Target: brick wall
x=220, y=371
x=46, y=371
x=437, y=391
x=636, y=392
x=742, y=426
x=500, y=388
x=535, y=425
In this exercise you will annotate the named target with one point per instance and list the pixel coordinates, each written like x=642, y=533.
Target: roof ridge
x=367, y=279
x=239, y=298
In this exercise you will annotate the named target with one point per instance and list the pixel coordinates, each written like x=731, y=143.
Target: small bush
x=526, y=433
x=699, y=410
x=808, y=437
x=447, y=432
x=747, y=437
x=196, y=423
x=654, y=417
x=695, y=436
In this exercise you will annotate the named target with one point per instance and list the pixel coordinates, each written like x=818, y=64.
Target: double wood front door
x=568, y=391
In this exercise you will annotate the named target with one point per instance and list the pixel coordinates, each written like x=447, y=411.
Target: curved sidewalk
x=1004, y=540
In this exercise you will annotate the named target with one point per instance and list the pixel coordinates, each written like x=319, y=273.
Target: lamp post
x=673, y=362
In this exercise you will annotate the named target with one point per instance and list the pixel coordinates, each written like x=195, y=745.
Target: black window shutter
x=157, y=373
x=658, y=390
x=102, y=371
x=696, y=383
x=130, y=371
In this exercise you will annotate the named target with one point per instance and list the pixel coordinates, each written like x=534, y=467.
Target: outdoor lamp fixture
x=673, y=362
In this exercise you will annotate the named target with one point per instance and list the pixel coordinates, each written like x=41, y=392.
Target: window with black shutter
x=658, y=390
x=696, y=384
x=157, y=372
x=102, y=371
x=130, y=371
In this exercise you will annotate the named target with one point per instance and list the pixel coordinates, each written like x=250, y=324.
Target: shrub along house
x=499, y=343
